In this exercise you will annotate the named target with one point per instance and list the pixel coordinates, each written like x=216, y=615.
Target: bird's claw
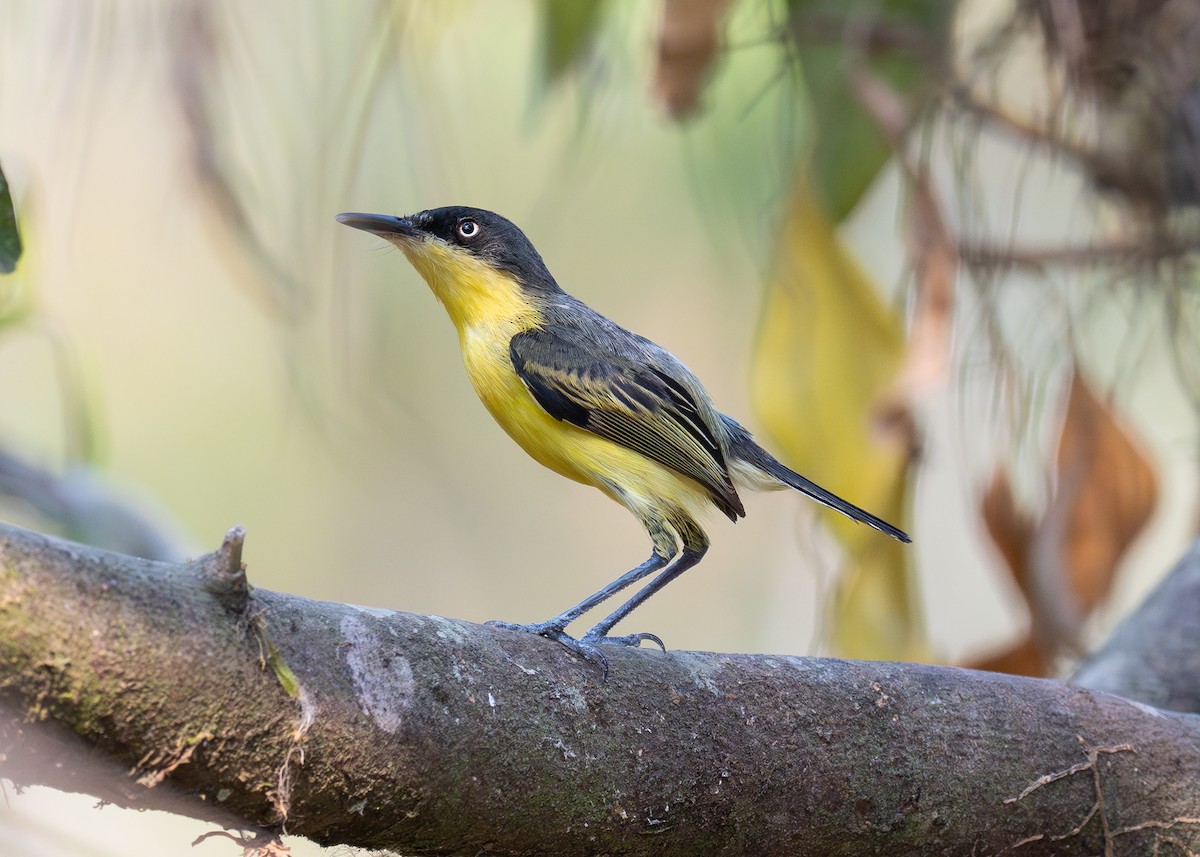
x=553, y=631
x=586, y=647
x=633, y=640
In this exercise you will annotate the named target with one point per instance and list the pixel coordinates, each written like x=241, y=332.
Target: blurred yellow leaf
x=828, y=348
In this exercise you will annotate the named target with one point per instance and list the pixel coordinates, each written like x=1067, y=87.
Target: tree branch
x=86, y=509
x=433, y=736
x=1153, y=656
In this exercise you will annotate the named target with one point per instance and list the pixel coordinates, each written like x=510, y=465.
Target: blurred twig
x=865, y=33
x=87, y=510
x=932, y=249
x=197, y=51
x=1137, y=250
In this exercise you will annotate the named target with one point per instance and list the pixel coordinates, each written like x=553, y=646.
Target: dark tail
x=747, y=450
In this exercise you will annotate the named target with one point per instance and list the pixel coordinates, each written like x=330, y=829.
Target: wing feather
x=640, y=407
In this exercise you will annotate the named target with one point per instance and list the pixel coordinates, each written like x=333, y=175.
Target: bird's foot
x=587, y=647
x=634, y=640
x=552, y=630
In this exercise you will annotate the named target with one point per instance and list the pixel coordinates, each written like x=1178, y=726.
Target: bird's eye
x=468, y=228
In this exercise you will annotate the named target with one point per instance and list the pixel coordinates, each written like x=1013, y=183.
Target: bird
x=592, y=401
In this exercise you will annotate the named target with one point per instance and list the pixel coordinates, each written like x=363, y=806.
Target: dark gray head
x=484, y=234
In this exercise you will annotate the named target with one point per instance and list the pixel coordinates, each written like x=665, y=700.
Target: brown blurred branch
x=1132, y=181
x=429, y=735
x=931, y=246
x=1089, y=160
x=866, y=33
x=1136, y=250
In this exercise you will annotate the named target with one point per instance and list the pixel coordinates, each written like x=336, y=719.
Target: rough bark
x=433, y=736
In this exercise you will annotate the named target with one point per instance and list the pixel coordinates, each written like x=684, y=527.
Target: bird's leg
x=599, y=634
x=555, y=628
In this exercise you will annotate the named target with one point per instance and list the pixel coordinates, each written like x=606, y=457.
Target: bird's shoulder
x=579, y=334
x=585, y=369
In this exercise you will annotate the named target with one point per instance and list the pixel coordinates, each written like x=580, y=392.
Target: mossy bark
x=433, y=736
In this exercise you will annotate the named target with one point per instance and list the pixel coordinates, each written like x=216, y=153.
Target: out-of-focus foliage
x=1064, y=563
x=1137, y=64
x=253, y=127
x=10, y=236
x=1109, y=486
x=568, y=27
x=76, y=502
x=1114, y=104
x=827, y=349
x=689, y=35
x=901, y=41
x=16, y=298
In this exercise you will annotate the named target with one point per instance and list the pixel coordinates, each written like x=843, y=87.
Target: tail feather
x=833, y=501
x=744, y=448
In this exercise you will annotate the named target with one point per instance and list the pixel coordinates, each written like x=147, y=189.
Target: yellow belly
x=489, y=307
x=567, y=449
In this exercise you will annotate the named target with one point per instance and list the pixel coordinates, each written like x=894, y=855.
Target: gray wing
x=631, y=403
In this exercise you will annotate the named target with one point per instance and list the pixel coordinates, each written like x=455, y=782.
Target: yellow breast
x=645, y=486
x=488, y=309
x=562, y=447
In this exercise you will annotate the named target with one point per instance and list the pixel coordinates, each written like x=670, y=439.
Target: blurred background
x=936, y=255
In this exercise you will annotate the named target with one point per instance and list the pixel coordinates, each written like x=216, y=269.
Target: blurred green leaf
x=10, y=236
x=567, y=30
x=930, y=16
x=848, y=150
